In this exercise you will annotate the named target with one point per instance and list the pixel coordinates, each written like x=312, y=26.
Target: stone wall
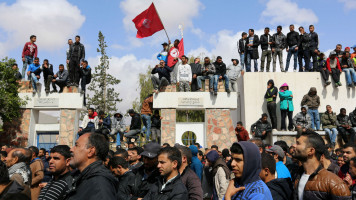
x=221, y=85
x=168, y=126
x=220, y=130
x=67, y=127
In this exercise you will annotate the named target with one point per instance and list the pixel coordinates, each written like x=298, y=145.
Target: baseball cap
x=151, y=150
x=277, y=150
x=165, y=43
x=332, y=53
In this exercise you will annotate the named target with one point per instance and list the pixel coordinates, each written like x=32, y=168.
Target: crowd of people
x=249, y=169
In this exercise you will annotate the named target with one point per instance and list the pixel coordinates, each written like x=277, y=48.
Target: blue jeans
x=350, y=75
x=291, y=52
x=216, y=80
x=118, y=139
x=146, y=120
x=201, y=78
x=242, y=61
x=315, y=119
x=248, y=64
x=332, y=135
x=34, y=80
x=28, y=61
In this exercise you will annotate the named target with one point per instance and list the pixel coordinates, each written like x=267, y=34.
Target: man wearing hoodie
x=344, y=126
x=286, y=106
x=271, y=96
x=246, y=166
x=281, y=188
x=220, y=173
x=302, y=121
x=312, y=100
x=352, y=116
x=261, y=128
x=329, y=122
x=196, y=165
x=90, y=122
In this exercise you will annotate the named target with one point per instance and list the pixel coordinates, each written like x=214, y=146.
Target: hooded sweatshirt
x=255, y=188
x=196, y=165
x=270, y=92
x=311, y=100
x=280, y=188
x=286, y=102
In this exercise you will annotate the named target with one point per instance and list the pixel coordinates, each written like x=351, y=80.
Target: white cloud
x=287, y=12
x=349, y=4
x=53, y=22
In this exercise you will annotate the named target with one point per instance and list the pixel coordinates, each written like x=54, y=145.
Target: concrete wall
x=253, y=86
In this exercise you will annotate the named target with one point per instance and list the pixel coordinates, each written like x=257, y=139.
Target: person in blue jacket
x=196, y=165
x=286, y=106
x=104, y=123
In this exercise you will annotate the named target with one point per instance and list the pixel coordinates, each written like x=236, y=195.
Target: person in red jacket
x=241, y=133
x=28, y=53
x=333, y=65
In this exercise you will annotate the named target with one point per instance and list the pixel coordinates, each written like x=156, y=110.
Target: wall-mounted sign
x=46, y=102
x=190, y=101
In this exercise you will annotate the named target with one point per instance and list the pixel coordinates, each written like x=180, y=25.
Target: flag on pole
x=175, y=53
x=148, y=22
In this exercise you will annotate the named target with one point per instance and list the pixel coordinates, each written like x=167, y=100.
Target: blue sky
x=211, y=26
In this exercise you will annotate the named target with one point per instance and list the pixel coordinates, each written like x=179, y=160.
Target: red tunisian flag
x=175, y=53
x=148, y=22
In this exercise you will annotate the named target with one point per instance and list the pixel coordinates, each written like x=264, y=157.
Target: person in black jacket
x=278, y=44
x=292, y=47
x=303, y=50
x=76, y=54
x=120, y=168
x=241, y=48
x=266, y=42
x=314, y=46
x=261, y=128
x=196, y=71
x=156, y=127
x=281, y=188
x=47, y=74
x=60, y=79
x=270, y=96
x=169, y=185
x=220, y=74
x=164, y=76
x=18, y=75
x=85, y=72
x=135, y=126
x=352, y=116
x=252, y=43
x=95, y=181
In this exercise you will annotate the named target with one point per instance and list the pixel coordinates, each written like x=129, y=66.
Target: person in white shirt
x=184, y=75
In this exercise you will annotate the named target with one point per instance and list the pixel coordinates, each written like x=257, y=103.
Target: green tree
x=145, y=88
x=102, y=84
x=10, y=102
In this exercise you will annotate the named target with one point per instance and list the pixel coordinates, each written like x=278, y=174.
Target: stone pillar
x=220, y=130
x=68, y=127
x=168, y=126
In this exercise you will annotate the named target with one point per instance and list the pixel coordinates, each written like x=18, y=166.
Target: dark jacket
x=256, y=43
x=81, y=51
x=196, y=165
x=135, y=122
x=353, y=192
x=126, y=185
x=292, y=39
x=281, y=188
x=255, y=188
x=304, y=42
x=352, y=116
x=258, y=127
x=174, y=190
x=94, y=182
x=57, y=189
x=47, y=174
x=142, y=183
x=311, y=100
x=196, y=68
x=241, y=46
x=328, y=120
x=87, y=73
x=279, y=41
x=192, y=183
x=163, y=72
x=47, y=71
x=220, y=68
x=106, y=122
x=314, y=40
x=13, y=188
x=264, y=41
x=343, y=120
x=62, y=77
x=210, y=67
x=156, y=121
x=271, y=91
x=322, y=185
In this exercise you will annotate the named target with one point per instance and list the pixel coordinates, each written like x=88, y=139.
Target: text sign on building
x=190, y=101
x=46, y=102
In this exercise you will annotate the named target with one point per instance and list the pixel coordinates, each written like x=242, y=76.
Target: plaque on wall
x=46, y=102
x=191, y=101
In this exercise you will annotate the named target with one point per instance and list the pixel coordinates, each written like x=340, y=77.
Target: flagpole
x=161, y=21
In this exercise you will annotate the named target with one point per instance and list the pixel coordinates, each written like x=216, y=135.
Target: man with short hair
x=47, y=175
x=29, y=52
x=348, y=152
x=241, y=48
x=233, y=72
x=169, y=184
x=329, y=122
x=303, y=50
x=252, y=43
x=314, y=46
x=135, y=126
x=259, y=143
x=241, y=133
x=188, y=176
x=146, y=113
x=312, y=101
x=278, y=155
x=266, y=42
x=34, y=71
x=156, y=127
x=95, y=180
x=292, y=47
x=134, y=158
x=164, y=76
x=208, y=71
x=344, y=126
x=184, y=75
x=18, y=75
x=60, y=79
x=76, y=54
x=261, y=128
x=4, y=147
x=278, y=44
x=271, y=96
x=338, y=51
x=246, y=166
x=57, y=188
x=120, y=168
x=70, y=42
x=315, y=182
x=90, y=122
x=281, y=188
x=85, y=74
x=37, y=171
x=325, y=160
x=104, y=125
x=47, y=74
x=196, y=71
x=122, y=153
x=302, y=121
x=347, y=66
x=333, y=65
x=220, y=74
